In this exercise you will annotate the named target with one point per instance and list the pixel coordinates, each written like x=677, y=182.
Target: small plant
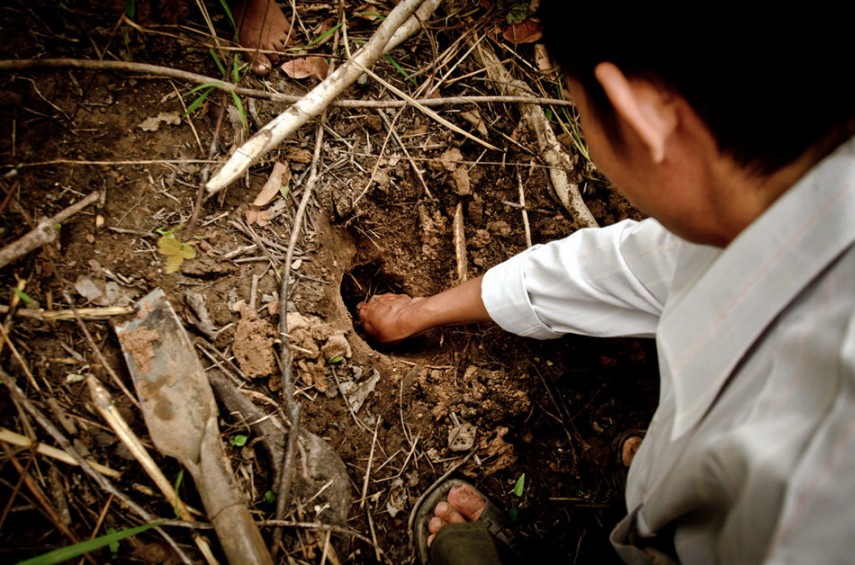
x=519, y=488
x=208, y=87
x=175, y=504
x=238, y=440
x=516, y=10
x=23, y=296
x=173, y=249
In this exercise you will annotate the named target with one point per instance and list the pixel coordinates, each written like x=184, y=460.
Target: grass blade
x=78, y=549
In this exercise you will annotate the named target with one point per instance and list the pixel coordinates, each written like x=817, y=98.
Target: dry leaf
x=280, y=176
x=306, y=67
x=450, y=158
x=297, y=155
x=474, y=118
x=541, y=58
x=528, y=31
x=254, y=215
x=153, y=123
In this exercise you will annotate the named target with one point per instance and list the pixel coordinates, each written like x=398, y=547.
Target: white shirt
x=750, y=456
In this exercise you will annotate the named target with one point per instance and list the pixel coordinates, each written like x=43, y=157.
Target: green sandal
x=487, y=541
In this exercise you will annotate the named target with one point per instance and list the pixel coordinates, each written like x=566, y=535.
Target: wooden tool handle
x=226, y=504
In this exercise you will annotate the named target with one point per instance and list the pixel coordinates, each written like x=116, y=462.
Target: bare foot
x=462, y=505
x=262, y=26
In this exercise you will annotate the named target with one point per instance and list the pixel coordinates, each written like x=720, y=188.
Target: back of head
x=770, y=83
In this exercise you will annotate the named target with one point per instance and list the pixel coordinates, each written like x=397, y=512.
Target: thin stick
x=368, y=468
x=23, y=441
x=403, y=147
x=169, y=72
x=559, y=162
x=425, y=110
x=40, y=497
x=18, y=358
x=65, y=315
x=100, y=355
x=293, y=408
x=460, y=245
x=523, y=209
x=206, y=171
x=378, y=161
x=45, y=232
x=318, y=526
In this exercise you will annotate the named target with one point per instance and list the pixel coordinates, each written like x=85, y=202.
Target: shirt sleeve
x=610, y=281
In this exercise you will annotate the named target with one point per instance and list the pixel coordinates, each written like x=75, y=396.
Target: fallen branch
x=45, y=232
x=315, y=102
x=548, y=145
x=169, y=72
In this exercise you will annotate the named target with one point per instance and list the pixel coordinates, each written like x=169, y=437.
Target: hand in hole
x=389, y=318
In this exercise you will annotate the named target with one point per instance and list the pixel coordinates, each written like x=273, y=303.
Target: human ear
x=647, y=110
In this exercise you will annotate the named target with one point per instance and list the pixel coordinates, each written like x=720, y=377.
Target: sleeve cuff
x=505, y=296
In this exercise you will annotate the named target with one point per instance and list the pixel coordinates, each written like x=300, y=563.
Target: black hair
x=771, y=83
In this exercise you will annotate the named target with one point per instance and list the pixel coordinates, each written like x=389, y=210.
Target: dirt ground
x=380, y=219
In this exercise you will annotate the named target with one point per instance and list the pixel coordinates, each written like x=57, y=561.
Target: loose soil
x=548, y=410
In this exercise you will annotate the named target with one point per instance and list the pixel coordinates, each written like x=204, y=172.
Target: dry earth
x=546, y=410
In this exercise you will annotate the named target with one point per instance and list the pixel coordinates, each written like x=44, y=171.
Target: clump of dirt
x=380, y=219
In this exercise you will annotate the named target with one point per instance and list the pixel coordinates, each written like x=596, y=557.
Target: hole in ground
x=364, y=281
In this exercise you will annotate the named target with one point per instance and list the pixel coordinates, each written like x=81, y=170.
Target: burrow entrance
x=362, y=282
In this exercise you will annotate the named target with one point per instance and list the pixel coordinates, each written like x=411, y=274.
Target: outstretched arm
x=392, y=317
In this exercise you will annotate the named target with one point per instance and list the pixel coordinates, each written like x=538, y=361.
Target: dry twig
x=169, y=72
x=315, y=102
x=45, y=232
x=548, y=145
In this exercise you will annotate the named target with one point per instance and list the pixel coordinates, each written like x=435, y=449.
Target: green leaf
x=219, y=63
x=520, y=486
x=239, y=440
x=114, y=545
x=324, y=35
x=513, y=514
x=336, y=360
x=23, y=296
x=78, y=549
x=210, y=84
x=198, y=102
x=269, y=497
x=175, y=252
x=228, y=12
x=178, y=480
x=241, y=112
x=400, y=69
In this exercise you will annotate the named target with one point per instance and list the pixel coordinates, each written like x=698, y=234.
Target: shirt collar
x=724, y=299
